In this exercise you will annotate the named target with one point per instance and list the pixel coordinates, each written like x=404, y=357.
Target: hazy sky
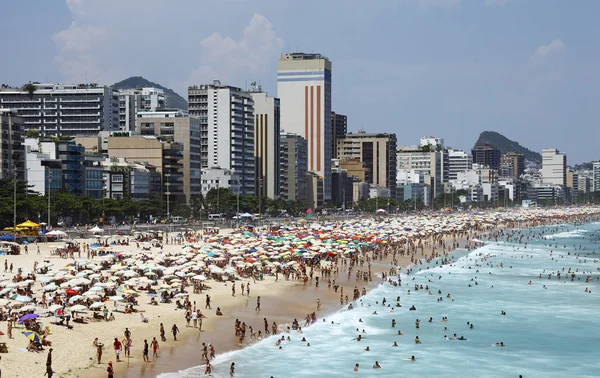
x=528, y=69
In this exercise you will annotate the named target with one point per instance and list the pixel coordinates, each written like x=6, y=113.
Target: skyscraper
x=554, y=167
x=266, y=143
x=486, y=154
x=227, y=130
x=304, y=88
x=293, y=157
x=339, y=129
x=514, y=160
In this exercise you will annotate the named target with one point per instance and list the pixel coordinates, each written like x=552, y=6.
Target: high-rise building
x=136, y=100
x=167, y=157
x=177, y=126
x=12, y=152
x=458, y=161
x=554, y=167
x=304, y=87
x=339, y=129
x=486, y=154
x=515, y=161
x=596, y=176
x=227, y=130
x=64, y=110
x=378, y=154
x=429, y=163
x=293, y=167
x=266, y=143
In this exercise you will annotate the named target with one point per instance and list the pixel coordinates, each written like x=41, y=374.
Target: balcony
x=30, y=115
x=89, y=121
x=95, y=114
x=80, y=107
x=97, y=99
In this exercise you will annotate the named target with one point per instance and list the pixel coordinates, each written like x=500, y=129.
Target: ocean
x=551, y=327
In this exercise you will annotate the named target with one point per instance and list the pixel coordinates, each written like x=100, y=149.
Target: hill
x=506, y=145
x=173, y=99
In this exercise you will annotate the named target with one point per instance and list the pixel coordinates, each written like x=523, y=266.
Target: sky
x=528, y=69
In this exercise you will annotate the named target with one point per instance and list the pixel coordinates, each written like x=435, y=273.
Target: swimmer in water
x=367, y=349
x=376, y=366
x=395, y=344
x=356, y=367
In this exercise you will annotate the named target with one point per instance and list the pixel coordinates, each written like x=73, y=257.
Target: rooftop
x=303, y=56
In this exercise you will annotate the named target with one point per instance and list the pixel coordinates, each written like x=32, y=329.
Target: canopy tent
x=56, y=233
x=28, y=224
x=7, y=237
x=96, y=229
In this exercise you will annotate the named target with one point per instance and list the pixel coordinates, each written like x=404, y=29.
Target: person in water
x=356, y=367
x=376, y=366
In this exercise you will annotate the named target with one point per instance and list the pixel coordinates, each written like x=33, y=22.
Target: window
x=117, y=178
x=117, y=187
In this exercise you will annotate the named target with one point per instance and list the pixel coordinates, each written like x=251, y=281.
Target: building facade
x=339, y=129
x=267, y=127
x=304, y=87
x=458, y=161
x=514, y=161
x=378, y=154
x=132, y=101
x=64, y=110
x=596, y=176
x=12, y=152
x=486, y=154
x=179, y=127
x=554, y=167
x=428, y=163
x=227, y=130
x=293, y=167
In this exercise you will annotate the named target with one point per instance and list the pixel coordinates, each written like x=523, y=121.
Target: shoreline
x=281, y=302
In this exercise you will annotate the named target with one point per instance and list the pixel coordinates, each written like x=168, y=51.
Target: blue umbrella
x=7, y=237
x=25, y=242
x=27, y=317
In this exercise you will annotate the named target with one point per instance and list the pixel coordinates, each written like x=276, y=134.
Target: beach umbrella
x=54, y=307
x=24, y=318
x=75, y=298
x=78, y=308
x=50, y=287
x=97, y=305
x=199, y=278
x=116, y=298
x=33, y=336
x=21, y=298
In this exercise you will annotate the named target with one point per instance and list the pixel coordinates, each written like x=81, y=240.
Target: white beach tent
x=96, y=229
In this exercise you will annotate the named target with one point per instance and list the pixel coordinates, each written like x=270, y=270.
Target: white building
x=63, y=109
x=429, y=164
x=227, y=129
x=458, y=161
x=554, y=167
x=304, y=87
x=132, y=101
x=215, y=178
x=434, y=142
x=378, y=191
x=266, y=143
x=409, y=177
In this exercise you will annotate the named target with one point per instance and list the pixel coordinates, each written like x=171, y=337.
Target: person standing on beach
x=232, y=369
x=49, y=371
x=212, y=351
x=175, y=330
x=233, y=289
x=257, y=304
x=99, y=353
x=248, y=289
x=9, y=329
x=109, y=370
x=154, y=348
x=318, y=304
x=242, y=290
x=162, y=332
x=208, y=302
x=146, y=359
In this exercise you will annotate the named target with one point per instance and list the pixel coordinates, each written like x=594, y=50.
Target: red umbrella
x=70, y=292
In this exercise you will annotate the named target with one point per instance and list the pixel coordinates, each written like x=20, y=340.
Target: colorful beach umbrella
x=27, y=317
x=33, y=336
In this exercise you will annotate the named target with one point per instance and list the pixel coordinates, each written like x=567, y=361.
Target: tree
x=29, y=88
x=32, y=134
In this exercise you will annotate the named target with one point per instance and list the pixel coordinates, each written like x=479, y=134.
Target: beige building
x=166, y=157
x=355, y=168
x=378, y=154
x=177, y=126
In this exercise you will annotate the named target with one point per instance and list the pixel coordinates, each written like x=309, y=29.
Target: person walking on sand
x=257, y=304
x=146, y=359
x=318, y=304
x=9, y=329
x=154, y=348
x=99, y=353
x=233, y=289
x=212, y=351
x=208, y=302
x=109, y=370
x=248, y=289
x=162, y=332
x=175, y=331
x=117, y=345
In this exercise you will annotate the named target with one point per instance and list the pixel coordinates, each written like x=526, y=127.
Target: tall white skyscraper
x=304, y=88
x=266, y=143
x=554, y=167
x=227, y=130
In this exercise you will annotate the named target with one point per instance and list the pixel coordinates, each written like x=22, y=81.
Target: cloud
x=226, y=59
x=554, y=47
x=499, y=3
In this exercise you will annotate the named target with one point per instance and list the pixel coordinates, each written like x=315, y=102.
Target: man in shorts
x=118, y=347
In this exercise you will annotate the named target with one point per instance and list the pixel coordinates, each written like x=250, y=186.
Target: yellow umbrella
x=28, y=224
